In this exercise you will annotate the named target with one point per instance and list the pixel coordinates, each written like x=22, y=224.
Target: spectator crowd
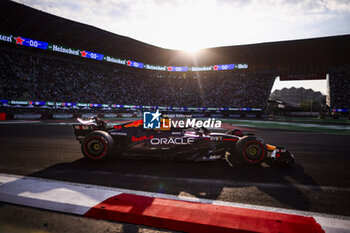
x=43, y=76
x=339, y=84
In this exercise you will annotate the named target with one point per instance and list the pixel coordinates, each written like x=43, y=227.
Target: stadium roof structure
x=286, y=57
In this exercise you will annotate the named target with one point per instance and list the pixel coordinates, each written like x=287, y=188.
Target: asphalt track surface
x=318, y=182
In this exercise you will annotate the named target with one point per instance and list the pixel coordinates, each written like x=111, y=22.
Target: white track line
x=79, y=198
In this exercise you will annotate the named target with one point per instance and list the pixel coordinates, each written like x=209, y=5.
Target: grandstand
x=44, y=77
x=34, y=75
x=339, y=85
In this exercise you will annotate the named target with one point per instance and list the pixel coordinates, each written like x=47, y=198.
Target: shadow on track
x=201, y=179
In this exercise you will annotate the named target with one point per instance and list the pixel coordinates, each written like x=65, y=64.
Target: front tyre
x=250, y=150
x=97, y=145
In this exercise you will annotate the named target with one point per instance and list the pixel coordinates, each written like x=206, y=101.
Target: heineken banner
x=62, y=49
x=22, y=41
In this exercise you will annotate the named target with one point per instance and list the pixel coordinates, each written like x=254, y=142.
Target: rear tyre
x=250, y=150
x=97, y=145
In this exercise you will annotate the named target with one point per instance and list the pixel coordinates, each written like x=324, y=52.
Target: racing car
x=132, y=140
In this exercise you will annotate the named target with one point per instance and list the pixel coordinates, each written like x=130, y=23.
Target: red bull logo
x=141, y=138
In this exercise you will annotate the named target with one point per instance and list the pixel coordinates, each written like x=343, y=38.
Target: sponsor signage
x=340, y=110
x=127, y=115
x=224, y=67
x=27, y=116
x=19, y=40
x=91, y=55
x=6, y=38
x=134, y=64
x=40, y=103
x=203, y=68
x=82, y=105
x=29, y=42
x=155, y=67
x=177, y=68
x=88, y=115
x=96, y=105
x=114, y=60
x=110, y=115
x=19, y=102
x=62, y=116
x=241, y=66
x=62, y=49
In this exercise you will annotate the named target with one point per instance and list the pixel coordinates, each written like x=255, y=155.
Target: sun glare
x=191, y=50
x=189, y=47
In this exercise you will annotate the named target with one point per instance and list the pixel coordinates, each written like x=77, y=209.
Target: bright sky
x=316, y=85
x=195, y=24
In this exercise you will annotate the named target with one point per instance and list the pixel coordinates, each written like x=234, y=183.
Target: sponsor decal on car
x=176, y=133
x=173, y=141
x=141, y=138
x=134, y=124
x=119, y=133
x=84, y=127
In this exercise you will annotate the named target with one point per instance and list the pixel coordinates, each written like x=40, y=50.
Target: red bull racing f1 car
x=132, y=140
